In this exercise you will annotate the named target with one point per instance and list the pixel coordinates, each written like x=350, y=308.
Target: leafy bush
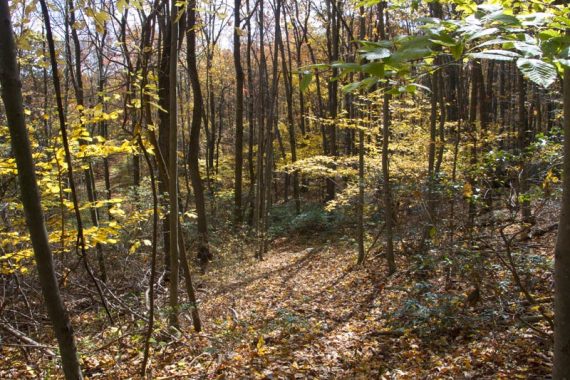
x=313, y=218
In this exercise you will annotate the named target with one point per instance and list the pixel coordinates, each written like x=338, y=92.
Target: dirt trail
x=307, y=312
x=301, y=310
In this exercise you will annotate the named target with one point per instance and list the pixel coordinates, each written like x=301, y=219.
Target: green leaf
x=483, y=33
x=351, y=87
x=414, y=42
x=553, y=45
x=428, y=20
x=379, y=53
x=410, y=54
x=374, y=68
x=443, y=40
x=499, y=55
x=346, y=66
x=396, y=90
x=495, y=41
x=564, y=62
x=528, y=50
x=307, y=77
x=412, y=87
x=538, y=71
x=535, y=19
x=489, y=8
x=317, y=66
x=369, y=82
x=501, y=17
x=373, y=45
x=457, y=51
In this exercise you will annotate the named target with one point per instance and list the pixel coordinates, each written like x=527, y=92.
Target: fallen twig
x=29, y=341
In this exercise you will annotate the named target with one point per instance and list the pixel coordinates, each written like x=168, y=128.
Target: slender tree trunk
x=561, y=368
x=361, y=252
x=360, y=221
x=388, y=207
x=163, y=136
x=269, y=133
x=261, y=139
x=30, y=195
x=151, y=296
x=476, y=81
x=523, y=142
x=204, y=254
x=173, y=167
x=87, y=173
x=192, y=300
x=333, y=42
x=239, y=116
x=251, y=121
x=386, y=122
x=288, y=79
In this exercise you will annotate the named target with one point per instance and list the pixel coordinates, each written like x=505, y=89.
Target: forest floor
x=307, y=312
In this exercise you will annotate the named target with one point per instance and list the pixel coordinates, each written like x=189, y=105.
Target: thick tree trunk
x=30, y=195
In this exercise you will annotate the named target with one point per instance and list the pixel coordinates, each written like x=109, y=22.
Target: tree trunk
x=173, y=167
x=163, y=136
x=239, y=116
x=251, y=122
x=387, y=120
x=561, y=369
x=361, y=253
x=333, y=47
x=261, y=132
x=288, y=78
x=204, y=254
x=30, y=195
x=388, y=207
x=524, y=141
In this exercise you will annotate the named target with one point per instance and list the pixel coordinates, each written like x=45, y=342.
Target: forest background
x=209, y=171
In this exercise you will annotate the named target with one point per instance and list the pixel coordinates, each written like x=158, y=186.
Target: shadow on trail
x=294, y=267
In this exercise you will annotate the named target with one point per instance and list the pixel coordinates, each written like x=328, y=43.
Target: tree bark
x=30, y=195
x=333, y=51
x=561, y=369
x=239, y=116
x=204, y=254
x=288, y=78
x=163, y=136
x=386, y=122
x=173, y=167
